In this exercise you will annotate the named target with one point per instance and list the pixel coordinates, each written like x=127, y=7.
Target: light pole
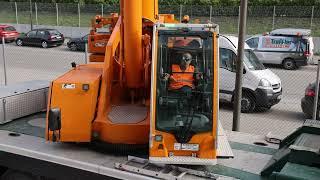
x=31, y=15
x=239, y=63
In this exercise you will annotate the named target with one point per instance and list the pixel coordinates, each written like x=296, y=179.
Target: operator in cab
x=183, y=76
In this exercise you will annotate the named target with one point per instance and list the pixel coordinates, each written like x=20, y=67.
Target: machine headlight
x=264, y=83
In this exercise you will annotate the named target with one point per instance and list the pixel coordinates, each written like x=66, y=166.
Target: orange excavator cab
x=184, y=124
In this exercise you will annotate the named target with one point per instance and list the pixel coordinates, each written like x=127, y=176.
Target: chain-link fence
x=260, y=18
x=28, y=63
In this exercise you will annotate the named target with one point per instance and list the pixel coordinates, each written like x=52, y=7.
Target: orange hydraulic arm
x=117, y=92
x=97, y=41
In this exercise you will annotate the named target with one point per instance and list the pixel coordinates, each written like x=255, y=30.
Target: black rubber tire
x=17, y=175
x=73, y=47
x=248, y=103
x=19, y=42
x=289, y=64
x=44, y=44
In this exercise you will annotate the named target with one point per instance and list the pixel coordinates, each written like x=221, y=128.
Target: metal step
x=223, y=149
x=160, y=171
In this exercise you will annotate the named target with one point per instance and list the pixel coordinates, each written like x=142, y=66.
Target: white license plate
x=186, y=147
x=58, y=37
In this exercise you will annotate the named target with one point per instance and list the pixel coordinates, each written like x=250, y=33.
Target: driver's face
x=186, y=60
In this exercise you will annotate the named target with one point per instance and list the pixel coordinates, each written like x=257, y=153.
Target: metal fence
x=29, y=63
x=260, y=18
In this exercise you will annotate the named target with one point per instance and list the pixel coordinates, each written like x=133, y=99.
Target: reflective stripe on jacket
x=181, y=78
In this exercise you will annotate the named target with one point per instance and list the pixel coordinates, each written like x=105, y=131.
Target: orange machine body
x=110, y=100
x=120, y=112
x=69, y=93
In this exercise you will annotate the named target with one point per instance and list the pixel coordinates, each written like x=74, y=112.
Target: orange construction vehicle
x=125, y=98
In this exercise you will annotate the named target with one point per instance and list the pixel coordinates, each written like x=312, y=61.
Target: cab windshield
x=184, y=97
x=251, y=60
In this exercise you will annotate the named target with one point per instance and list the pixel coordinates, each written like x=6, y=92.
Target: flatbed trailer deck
x=23, y=148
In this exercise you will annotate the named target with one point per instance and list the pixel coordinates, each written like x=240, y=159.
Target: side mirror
x=244, y=71
x=54, y=119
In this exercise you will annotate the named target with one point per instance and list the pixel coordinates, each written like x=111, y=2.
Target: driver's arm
x=197, y=74
x=168, y=77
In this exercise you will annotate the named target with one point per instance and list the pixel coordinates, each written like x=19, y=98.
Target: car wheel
x=44, y=44
x=248, y=103
x=289, y=64
x=19, y=42
x=73, y=46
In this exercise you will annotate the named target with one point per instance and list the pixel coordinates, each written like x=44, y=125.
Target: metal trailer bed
x=23, y=148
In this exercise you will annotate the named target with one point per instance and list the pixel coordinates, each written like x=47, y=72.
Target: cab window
x=184, y=113
x=227, y=59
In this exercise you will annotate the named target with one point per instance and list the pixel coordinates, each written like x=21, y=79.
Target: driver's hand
x=199, y=76
x=166, y=76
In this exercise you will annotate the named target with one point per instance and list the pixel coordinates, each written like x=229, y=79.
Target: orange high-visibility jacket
x=181, y=78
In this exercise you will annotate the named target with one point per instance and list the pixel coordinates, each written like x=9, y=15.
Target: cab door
x=227, y=74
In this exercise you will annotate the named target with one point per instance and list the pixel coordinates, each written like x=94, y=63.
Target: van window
x=227, y=59
x=251, y=60
x=253, y=42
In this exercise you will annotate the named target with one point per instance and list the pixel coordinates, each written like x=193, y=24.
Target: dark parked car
x=78, y=44
x=41, y=37
x=307, y=101
x=8, y=32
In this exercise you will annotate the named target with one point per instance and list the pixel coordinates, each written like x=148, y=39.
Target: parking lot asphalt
x=34, y=63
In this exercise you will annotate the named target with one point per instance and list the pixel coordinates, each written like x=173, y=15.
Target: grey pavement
x=283, y=118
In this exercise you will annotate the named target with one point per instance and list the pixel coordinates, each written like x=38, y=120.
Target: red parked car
x=8, y=32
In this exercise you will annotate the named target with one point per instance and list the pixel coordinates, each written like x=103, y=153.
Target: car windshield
x=54, y=32
x=251, y=60
x=10, y=28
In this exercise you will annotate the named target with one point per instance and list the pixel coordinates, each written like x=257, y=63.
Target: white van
x=305, y=34
x=261, y=87
x=288, y=47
